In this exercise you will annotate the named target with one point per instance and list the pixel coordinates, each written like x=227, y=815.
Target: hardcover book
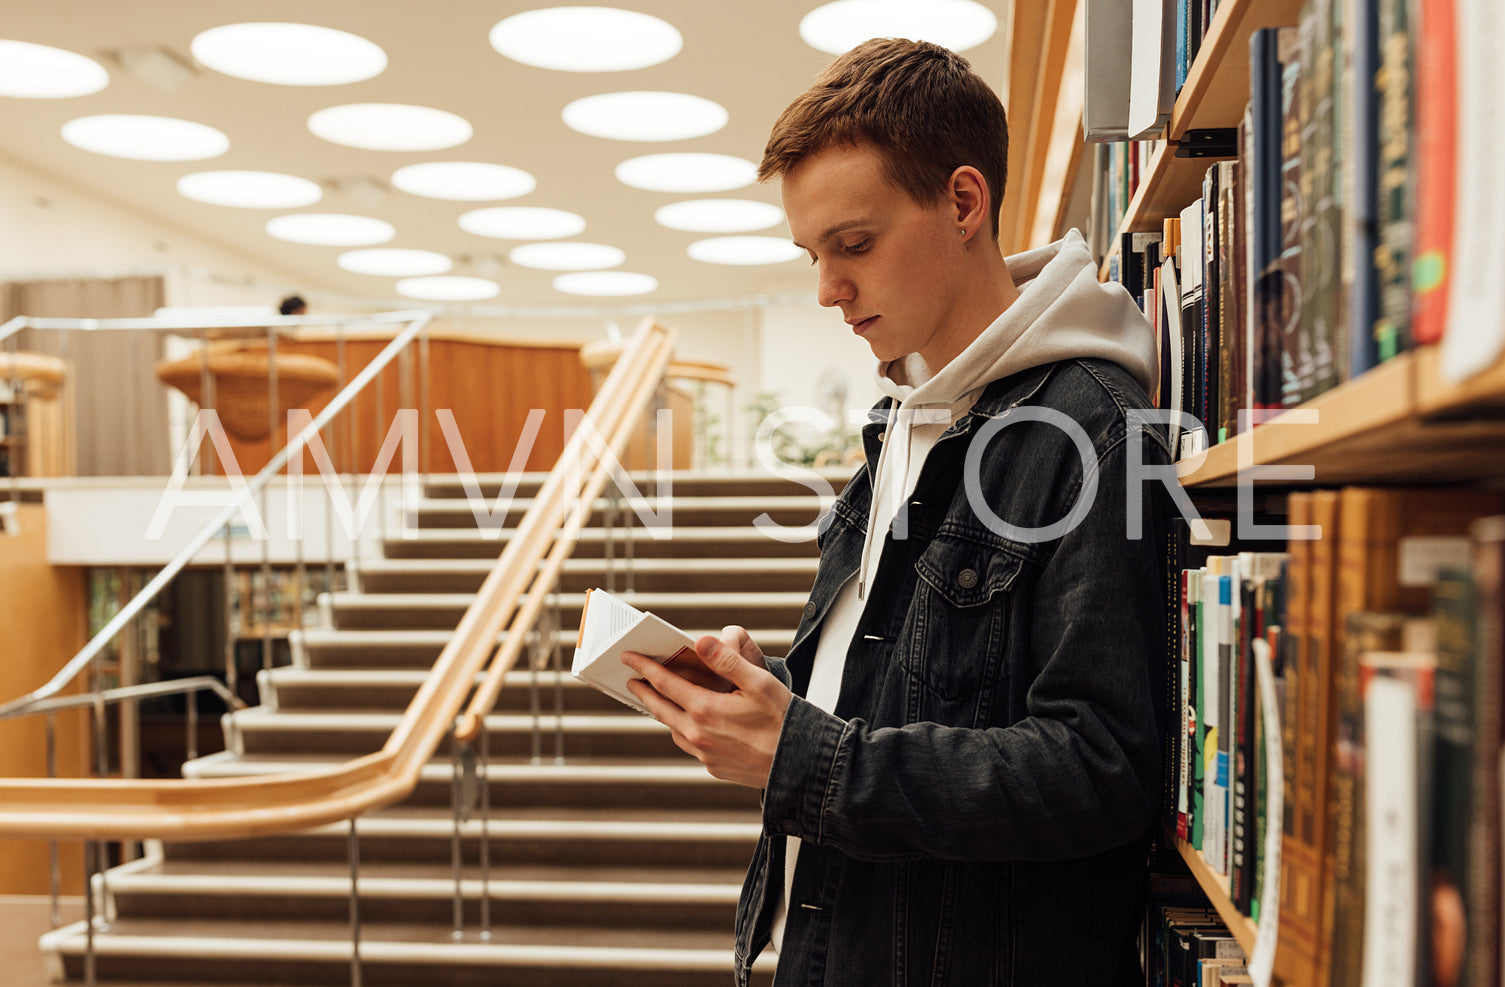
x=610, y=625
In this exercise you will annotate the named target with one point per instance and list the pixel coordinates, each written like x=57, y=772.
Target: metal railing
x=513, y=596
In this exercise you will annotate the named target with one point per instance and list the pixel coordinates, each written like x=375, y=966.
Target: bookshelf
x=1216, y=886
x=1400, y=422
x=1213, y=96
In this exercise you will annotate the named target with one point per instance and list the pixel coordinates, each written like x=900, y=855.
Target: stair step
x=391, y=896
x=605, y=840
x=684, y=483
x=320, y=953
x=636, y=512
x=417, y=649
x=298, y=689
x=668, y=785
x=678, y=542
x=626, y=733
x=650, y=575
x=411, y=611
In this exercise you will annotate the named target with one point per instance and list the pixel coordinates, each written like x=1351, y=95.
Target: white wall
x=54, y=229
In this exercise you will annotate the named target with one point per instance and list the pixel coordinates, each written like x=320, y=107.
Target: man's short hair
x=920, y=105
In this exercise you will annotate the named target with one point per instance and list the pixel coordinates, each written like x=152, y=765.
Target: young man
x=959, y=756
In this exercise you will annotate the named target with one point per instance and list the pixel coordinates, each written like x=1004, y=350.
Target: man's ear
x=969, y=196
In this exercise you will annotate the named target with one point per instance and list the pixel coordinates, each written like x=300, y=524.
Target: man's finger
x=670, y=686
x=737, y=637
x=726, y=661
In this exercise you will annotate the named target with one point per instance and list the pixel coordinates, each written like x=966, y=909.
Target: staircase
x=617, y=865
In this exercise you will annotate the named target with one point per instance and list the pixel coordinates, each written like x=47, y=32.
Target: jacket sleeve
x=1078, y=774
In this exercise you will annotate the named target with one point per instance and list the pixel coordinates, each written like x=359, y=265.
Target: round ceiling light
x=39, y=72
x=145, y=138
x=603, y=283
x=390, y=127
x=719, y=215
x=687, y=172
x=839, y=27
x=250, y=189
x=448, y=289
x=522, y=223
x=331, y=229
x=463, y=181
x=389, y=263
x=744, y=250
x=289, y=54
x=586, y=39
x=645, y=116
x=566, y=256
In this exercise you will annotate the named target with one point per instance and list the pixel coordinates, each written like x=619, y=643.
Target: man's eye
x=860, y=247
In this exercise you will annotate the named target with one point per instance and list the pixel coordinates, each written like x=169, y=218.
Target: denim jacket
x=976, y=810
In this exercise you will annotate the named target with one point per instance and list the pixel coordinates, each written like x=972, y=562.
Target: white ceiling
x=747, y=56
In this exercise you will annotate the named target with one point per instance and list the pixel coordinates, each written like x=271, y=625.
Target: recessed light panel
x=250, y=189
x=463, y=181
x=390, y=127
x=744, y=250
x=566, y=256
x=289, y=54
x=522, y=223
x=687, y=172
x=605, y=283
x=841, y=26
x=586, y=39
x=389, y=263
x=145, y=138
x=719, y=215
x=448, y=289
x=331, y=229
x=39, y=72
x=645, y=116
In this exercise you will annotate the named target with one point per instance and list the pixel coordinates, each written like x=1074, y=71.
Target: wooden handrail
x=223, y=808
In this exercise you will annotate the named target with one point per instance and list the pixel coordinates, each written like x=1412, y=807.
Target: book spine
x=1483, y=893
x=1453, y=756
x=1207, y=402
x=1357, y=41
x=1394, y=85
x=1286, y=300
x=1226, y=729
x=1436, y=176
x=1230, y=338
x=1321, y=253
x=1188, y=718
x=1200, y=579
x=1325, y=630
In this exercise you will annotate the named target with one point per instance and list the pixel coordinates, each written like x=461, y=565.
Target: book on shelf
x=609, y=625
x=1436, y=173
x=1152, y=71
x=1396, y=162
x=1108, y=70
x=1475, y=337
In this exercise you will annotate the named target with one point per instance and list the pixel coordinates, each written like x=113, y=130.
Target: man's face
x=887, y=261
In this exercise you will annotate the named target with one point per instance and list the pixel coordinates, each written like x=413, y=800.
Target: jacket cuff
x=803, y=765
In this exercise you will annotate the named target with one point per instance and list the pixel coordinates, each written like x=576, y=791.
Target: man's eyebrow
x=841, y=227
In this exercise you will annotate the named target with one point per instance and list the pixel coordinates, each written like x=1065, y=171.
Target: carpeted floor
x=23, y=920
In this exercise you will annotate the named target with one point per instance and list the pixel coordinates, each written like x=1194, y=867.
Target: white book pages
x=1153, y=69
x=1262, y=962
x=1391, y=836
x=1106, y=67
x=610, y=626
x=1475, y=335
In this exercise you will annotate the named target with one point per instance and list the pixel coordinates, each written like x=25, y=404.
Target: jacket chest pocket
x=959, y=622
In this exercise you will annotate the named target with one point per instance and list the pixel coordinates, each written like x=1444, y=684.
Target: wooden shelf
x=1395, y=424
x=1216, y=887
x=1213, y=95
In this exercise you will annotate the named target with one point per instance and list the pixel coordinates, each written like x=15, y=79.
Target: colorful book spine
x=1395, y=177
x=1436, y=174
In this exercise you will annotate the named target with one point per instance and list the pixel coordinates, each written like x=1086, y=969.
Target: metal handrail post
x=54, y=869
x=455, y=796
x=91, y=852
x=485, y=849
x=355, y=904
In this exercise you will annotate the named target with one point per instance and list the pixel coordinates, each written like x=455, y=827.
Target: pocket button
x=967, y=578
x=809, y=610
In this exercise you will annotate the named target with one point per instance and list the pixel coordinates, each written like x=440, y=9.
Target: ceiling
x=747, y=56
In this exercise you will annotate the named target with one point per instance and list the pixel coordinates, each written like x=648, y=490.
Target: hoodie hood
x=1062, y=313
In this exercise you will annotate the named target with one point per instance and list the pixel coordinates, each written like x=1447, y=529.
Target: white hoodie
x=1063, y=312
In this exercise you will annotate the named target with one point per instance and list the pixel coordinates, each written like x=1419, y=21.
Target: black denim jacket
x=975, y=812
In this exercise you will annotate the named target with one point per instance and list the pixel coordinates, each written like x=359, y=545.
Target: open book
x=610, y=626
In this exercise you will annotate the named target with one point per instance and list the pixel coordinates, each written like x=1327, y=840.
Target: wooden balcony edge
x=1216, y=887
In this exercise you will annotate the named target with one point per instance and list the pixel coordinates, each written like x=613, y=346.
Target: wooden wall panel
x=43, y=613
x=489, y=387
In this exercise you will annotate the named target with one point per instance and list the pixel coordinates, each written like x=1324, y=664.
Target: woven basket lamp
x=242, y=385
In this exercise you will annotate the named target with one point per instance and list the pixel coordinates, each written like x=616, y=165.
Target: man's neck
x=996, y=291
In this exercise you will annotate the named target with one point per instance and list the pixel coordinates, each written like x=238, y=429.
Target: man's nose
x=834, y=287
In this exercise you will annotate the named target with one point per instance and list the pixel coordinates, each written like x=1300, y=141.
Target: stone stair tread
x=261, y=718
x=361, y=638
x=330, y=941
x=387, y=601
x=514, y=873
x=678, y=770
x=654, y=565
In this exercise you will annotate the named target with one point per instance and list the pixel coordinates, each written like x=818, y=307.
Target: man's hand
x=733, y=734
